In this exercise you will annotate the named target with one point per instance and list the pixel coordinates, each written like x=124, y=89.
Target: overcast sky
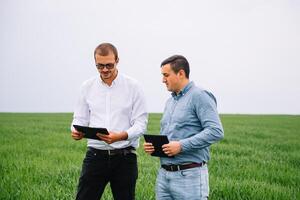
x=246, y=52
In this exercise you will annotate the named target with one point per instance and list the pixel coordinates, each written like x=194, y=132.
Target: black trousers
x=98, y=169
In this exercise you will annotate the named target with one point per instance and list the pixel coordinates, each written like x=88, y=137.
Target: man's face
x=106, y=66
x=171, y=79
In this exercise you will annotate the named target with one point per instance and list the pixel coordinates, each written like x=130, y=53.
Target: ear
x=181, y=73
x=117, y=61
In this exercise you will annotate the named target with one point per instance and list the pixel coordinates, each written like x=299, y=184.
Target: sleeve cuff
x=130, y=134
x=184, y=145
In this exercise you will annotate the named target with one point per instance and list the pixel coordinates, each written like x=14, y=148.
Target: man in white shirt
x=116, y=102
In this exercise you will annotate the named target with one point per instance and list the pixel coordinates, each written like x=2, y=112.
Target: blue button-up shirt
x=191, y=117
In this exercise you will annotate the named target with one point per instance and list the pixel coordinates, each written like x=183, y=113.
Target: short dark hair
x=104, y=49
x=178, y=62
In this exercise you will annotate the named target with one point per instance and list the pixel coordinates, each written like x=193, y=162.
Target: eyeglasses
x=108, y=65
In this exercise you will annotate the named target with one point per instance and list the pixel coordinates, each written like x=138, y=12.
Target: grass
x=259, y=158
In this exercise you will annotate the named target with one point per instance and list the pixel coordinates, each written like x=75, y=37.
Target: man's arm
x=113, y=137
x=207, y=113
x=139, y=115
x=81, y=115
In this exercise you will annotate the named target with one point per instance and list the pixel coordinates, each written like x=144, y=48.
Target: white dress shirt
x=119, y=107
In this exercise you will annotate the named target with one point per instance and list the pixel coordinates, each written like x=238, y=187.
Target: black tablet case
x=157, y=141
x=90, y=132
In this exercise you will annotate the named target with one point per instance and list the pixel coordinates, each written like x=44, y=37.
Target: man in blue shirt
x=191, y=123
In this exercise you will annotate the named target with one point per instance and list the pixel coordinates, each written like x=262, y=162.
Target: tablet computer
x=90, y=132
x=157, y=141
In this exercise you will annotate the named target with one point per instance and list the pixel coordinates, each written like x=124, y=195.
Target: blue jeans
x=189, y=184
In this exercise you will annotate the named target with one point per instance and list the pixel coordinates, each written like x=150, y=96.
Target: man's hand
x=113, y=137
x=76, y=135
x=171, y=149
x=148, y=148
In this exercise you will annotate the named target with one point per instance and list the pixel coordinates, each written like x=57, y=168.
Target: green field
x=259, y=158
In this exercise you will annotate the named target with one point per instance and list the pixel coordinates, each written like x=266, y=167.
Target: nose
x=104, y=69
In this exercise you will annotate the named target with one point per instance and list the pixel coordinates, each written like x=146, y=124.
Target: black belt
x=113, y=152
x=175, y=168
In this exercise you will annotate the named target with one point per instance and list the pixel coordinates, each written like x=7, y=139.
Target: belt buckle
x=175, y=168
x=113, y=152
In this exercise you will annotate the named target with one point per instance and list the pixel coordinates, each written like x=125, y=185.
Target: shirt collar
x=183, y=91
